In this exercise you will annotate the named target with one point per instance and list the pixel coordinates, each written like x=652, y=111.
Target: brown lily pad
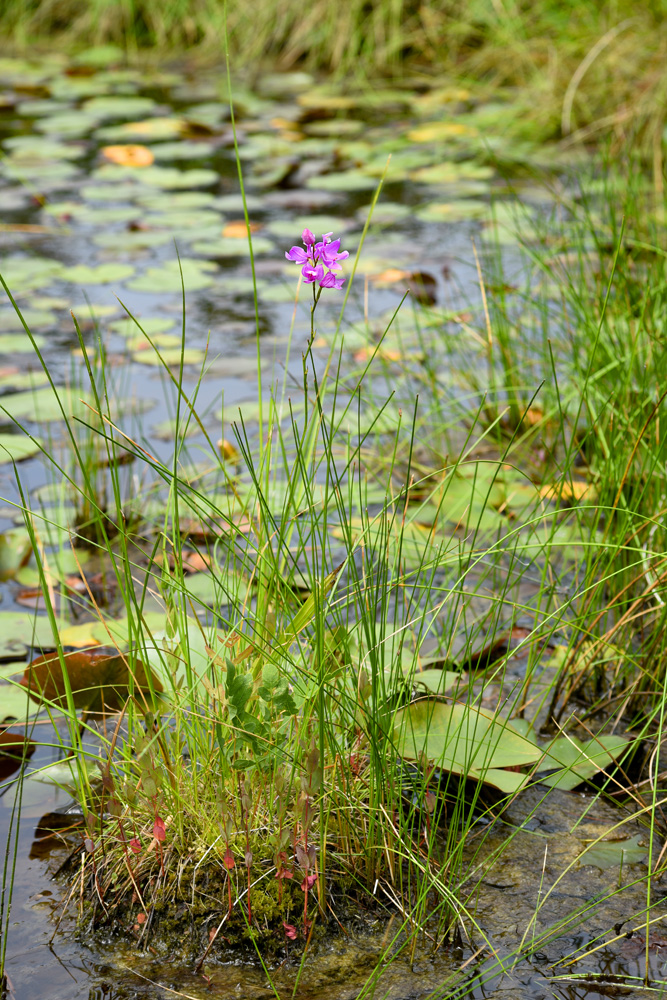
x=99, y=680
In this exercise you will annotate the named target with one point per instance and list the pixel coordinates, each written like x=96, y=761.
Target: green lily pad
x=613, y=853
x=183, y=149
x=123, y=191
x=576, y=761
x=465, y=741
x=228, y=247
x=151, y=325
x=15, y=703
x=176, y=201
x=179, y=219
x=436, y=681
x=452, y=211
x=20, y=343
x=161, y=177
x=71, y=124
x=118, y=107
x=38, y=147
x=345, y=180
x=142, y=131
x=170, y=356
x=132, y=241
x=196, y=275
x=10, y=320
x=41, y=405
x=28, y=273
x=103, y=274
x=16, y=447
x=20, y=630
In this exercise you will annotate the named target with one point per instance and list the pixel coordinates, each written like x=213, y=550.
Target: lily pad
x=132, y=241
x=436, y=681
x=465, y=741
x=613, y=853
x=42, y=406
x=118, y=107
x=17, y=447
x=28, y=273
x=344, y=180
x=231, y=247
x=183, y=149
x=196, y=275
x=576, y=762
x=151, y=324
x=151, y=128
x=161, y=177
x=97, y=680
x=20, y=631
x=20, y=343
x=170, y=356
x=10, y=320
x=103, y=274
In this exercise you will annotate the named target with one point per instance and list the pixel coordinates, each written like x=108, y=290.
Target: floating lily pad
x=73, y=123
x=344, y=180
x=103, y=274
x=42, y=406
x=161, y=177
x=38, y=147
x=118, y=107
x=151, y=128
x=15, y=703
x=96, y=680
x=20, y=343
x=452, y=211
x=20, y=631
x=170, y=356
x=196, y=275
x=176, y=201
x=16, y=447
x=183, y=219
x=436, y=681
x=139, y=240
x=230, y=247
x=576, y=762
x=613, y=853
x=464, y=741
x=10, y=319
x=28, y=273
x=183, y=149
x=150, y=324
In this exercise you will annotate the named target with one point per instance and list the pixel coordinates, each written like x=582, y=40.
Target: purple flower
x=319, y=260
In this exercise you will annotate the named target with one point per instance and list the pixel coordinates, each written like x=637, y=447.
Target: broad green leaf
x=344, y=180
x=576, y=761
x=82, y=274
x=16, y=447
x=465, y=741
x=613, y=853
x=42, y=405
x=20, y=630
x=436, y=681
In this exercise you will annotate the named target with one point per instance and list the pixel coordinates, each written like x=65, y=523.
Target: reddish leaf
x=308, y=882
x=141, y=918
x=98, y=680
x=290, y=931
x=89, y=845
x=159, y=831
x=228, y=860
x=15, y=744
x=135, y=845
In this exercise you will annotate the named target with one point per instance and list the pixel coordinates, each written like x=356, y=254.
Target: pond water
x=83, y=232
